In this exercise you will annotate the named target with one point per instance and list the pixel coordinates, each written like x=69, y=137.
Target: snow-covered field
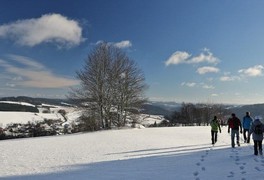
x=130, y=154
x=7, y=117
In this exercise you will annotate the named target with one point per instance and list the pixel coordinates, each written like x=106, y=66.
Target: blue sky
x=190, y=51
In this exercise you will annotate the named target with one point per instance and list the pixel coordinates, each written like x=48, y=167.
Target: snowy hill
x=44, y=112
x=51, y=111
x=141, y=154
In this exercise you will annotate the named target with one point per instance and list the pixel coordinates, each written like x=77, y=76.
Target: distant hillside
x=254, y=109
x=169, y=106
x=152, y=107
x=35, y=101
x=154, y=110
x=166, y=108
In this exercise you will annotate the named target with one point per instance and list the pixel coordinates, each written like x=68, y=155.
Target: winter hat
x=258, y=117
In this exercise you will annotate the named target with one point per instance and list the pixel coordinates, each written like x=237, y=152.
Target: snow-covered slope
x=25, y=117
x=7, y=117
x=52, y=112
x=130, y=154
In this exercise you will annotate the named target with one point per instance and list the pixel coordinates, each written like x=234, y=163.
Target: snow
x=147, y=120
x=130, y=154
x=20, y=103
x=7, y=117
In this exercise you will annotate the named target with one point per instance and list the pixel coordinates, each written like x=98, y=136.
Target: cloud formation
x=189, y=84
x=181, y=57
x=252, y=71
x=193, y=84
x=229, y=78
x=206, y=86
x=53, y=28
x=30, y=73
x=207, y=69
x=122, y=44
x=178, y=57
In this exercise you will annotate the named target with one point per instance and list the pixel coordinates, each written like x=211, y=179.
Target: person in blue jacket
x=247, y=121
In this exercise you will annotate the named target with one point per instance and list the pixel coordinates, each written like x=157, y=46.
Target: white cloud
x=123, y=44
x=207, y=69
x=48, y=28
x=205, y=86
x=229, y=78
x=181, y=57
x=200, y=85
x=205, y=56
x=189, y=84
x=177, y=58
x=34, y=74
x=252, y=71
x=26, y=61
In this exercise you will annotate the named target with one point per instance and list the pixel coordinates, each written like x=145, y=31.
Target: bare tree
x=111, y=84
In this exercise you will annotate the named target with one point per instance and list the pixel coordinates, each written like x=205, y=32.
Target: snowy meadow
x=131, y=154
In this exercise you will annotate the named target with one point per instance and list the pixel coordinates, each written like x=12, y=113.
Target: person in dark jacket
x=257, y=129
x=246, y=123
x=214, y=129
x=235, y=124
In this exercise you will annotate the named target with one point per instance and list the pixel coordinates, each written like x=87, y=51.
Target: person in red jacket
x=235, y=125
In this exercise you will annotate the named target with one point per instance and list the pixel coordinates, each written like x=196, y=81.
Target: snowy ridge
x=20, y=103
x=141, y=154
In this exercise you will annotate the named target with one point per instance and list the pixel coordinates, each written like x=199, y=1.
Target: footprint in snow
x=203, y=168
x=243, y=172
x=231, y=174
x=196, y=173
x=257, y=168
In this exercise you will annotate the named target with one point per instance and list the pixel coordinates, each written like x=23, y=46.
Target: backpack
x=258, y=129
x=234, y=123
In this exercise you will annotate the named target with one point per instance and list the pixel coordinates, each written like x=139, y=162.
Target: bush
x=88, y=123
x=47, y=127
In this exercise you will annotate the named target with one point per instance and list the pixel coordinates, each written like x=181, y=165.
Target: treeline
x=17, y=107
x=198, y=114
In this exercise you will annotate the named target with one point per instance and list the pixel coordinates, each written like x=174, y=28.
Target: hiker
x=246, y=123
x=257, y=129
x=235, y=124
x=214, y=129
